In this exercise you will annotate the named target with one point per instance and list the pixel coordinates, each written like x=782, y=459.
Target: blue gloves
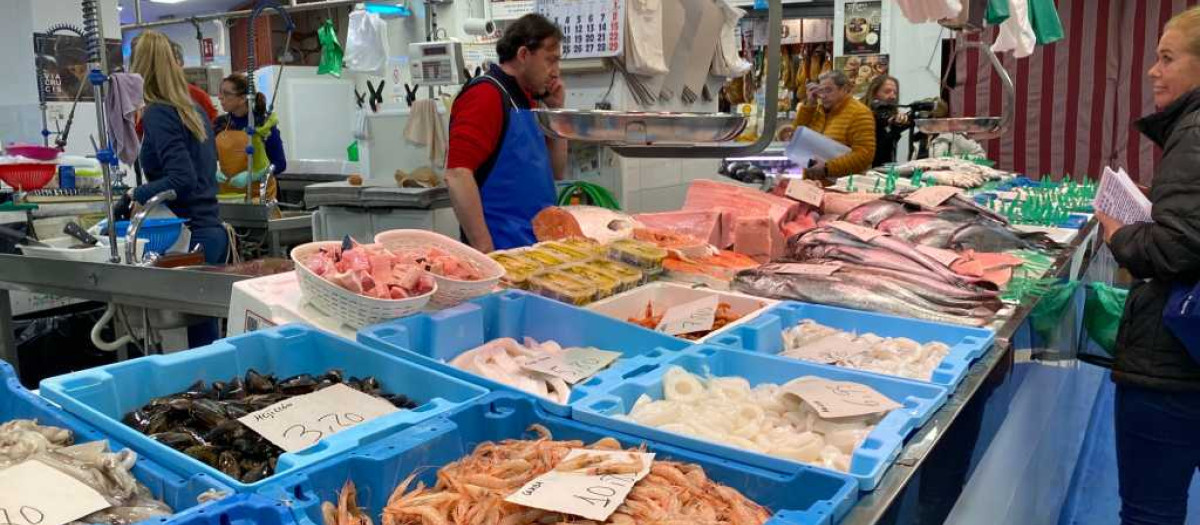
x=221, y=178
x=246, y=177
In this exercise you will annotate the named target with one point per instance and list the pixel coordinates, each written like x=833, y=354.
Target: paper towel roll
x=479, y=27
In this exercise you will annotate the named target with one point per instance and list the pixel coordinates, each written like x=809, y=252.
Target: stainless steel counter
x=189, y=292
x=992, y=368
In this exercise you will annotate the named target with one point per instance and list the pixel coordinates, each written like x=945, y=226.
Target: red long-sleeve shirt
x=476, y=121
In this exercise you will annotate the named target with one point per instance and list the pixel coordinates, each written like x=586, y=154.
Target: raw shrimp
x=723, y=317
x=674, y=493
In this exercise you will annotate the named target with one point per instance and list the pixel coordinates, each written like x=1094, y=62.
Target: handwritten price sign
x=572, y=365
x=303, y=421
x=34, y=493
x=592, y=497
x=696, y=316
x=837, y=399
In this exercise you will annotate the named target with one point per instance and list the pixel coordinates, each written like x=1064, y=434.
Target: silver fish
x=874, y=212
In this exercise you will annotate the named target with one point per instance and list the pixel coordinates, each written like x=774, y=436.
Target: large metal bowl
x=619, y=128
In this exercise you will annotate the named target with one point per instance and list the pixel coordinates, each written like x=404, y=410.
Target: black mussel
x=235, y=389
x=369, y=384
x=180, y=404
x=159, y=422
x=400, y=401
x=298, y=385
x=257, y=383
x=257, y=473
x=138, y=419
x=217, y=388
x=245, y=446
x=208, y=412
x=236, y=410
x=176, y=440
x=226, y=432
x=204, y=453
x=261, y=401
x=227, y=462
x=197, y=390
x=333, y=376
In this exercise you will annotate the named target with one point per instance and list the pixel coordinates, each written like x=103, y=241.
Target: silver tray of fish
x=639, y=128
x=967, y=125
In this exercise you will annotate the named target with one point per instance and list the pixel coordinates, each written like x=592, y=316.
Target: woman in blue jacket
x=178, y=154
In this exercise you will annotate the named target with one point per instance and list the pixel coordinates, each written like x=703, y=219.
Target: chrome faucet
x=135, y=224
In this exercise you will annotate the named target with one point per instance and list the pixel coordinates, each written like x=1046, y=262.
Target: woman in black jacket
x=1157, y=410
x=883, y=96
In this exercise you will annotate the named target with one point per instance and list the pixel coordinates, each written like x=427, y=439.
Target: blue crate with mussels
x=767, y=411
x=485, y=341
x=499, y=445
x=885, y=344
x=170, y=492
x=251, y=407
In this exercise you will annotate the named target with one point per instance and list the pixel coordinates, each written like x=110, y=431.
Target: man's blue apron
x=521, y=183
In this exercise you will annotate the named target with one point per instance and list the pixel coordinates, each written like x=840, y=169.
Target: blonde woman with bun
x=1157, y=405
x=178, y=154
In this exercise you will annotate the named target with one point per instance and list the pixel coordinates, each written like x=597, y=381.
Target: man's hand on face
x=556, y=94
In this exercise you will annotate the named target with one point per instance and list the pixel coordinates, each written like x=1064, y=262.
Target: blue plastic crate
x=160, y=234
x=102, y=396
x=242, y=509
x=434, y=339
x=869, y=461
x=765, y=334
x=803, y=496
x=179, y=492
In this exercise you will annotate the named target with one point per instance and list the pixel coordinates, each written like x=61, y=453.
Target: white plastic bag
x=644, y=38
x=366, y=44
x=360, y=125
x=727, y=62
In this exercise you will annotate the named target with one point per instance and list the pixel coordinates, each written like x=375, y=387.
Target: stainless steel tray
x=617, y=128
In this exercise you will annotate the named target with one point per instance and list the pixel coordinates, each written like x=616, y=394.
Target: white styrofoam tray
x=666, y=295
x=60, y=249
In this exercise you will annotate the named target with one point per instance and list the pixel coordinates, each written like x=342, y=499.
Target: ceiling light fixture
x=167, y=1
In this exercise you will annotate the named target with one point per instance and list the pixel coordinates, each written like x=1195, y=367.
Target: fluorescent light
x=167, y=1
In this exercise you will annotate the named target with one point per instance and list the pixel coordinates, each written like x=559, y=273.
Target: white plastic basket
x=355, y=310
x=450, y=291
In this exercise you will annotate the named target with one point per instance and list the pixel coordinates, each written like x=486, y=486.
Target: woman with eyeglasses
x=235, y=173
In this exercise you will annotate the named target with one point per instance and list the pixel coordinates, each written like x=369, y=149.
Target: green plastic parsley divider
x=850, y=185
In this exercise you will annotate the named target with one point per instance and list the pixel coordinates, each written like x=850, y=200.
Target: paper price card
x=806, y=192
x=302, y=421
x=690, y=317
x=586, y=483
x=573, y=364
x=861, y=233
x=804, y=268
x=932, y=196
x=33, y=493
x=837, y=399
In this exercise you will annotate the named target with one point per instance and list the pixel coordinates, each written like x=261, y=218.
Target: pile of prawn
x=472, y=491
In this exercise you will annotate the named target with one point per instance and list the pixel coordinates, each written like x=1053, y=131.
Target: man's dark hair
x=530, y=31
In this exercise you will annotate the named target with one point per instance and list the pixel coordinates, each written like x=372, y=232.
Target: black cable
x=612, y=80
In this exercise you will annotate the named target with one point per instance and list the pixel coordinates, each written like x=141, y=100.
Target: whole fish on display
x=874, y=212
x=870, y=289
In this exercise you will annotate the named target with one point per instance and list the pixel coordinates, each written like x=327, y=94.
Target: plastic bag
x=1048, y=313
x=1102, y=314
x=331, y=51
x=366, y=44
x=643, y=38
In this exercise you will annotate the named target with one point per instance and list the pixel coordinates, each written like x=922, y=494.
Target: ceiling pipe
x=245, y=13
